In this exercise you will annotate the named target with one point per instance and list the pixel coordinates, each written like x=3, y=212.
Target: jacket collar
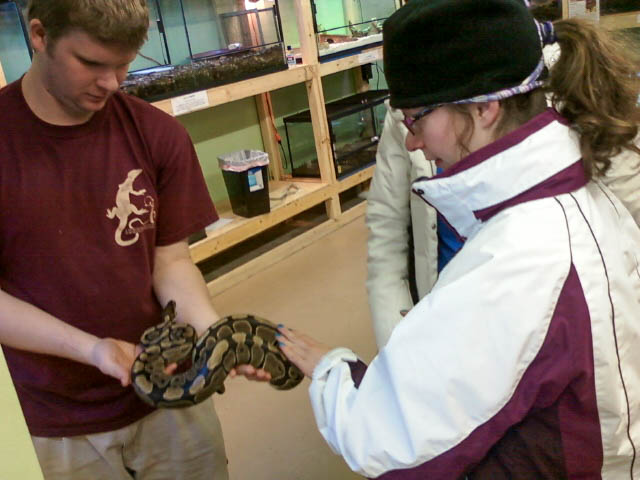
x=539, y=159
x=395, y=113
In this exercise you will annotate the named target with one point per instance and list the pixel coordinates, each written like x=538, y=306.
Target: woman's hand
x=300, y=349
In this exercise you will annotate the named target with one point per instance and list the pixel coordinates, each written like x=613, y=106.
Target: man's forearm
x=26, y=327
x=175, y=277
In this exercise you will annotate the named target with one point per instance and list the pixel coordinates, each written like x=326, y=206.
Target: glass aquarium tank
x=198, y=44
x=609, y=7
x=345, y=27
x=355, y=124
x=546, y=10
x=15, y=49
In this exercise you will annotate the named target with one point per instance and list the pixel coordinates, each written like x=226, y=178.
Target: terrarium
x=345, y=27
x=198, y=44
x=355, y=123
x=15, y=49
x=546, y=10
x=608, y=7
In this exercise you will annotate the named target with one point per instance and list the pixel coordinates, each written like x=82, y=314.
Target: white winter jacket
x=391, y=208
x=524, y=360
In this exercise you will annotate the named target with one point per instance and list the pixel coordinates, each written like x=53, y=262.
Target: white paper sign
x=190, y=102
x=368, y=57
x=255, y=179
x=587, y=9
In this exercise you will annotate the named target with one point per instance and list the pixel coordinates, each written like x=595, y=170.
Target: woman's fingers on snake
x=283, y=333
x=290, y=354
x=293, y=353
x=286, y=343
x=299, y=357
x=293, y=337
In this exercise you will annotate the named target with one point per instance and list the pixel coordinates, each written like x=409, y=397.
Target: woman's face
x=444, y=135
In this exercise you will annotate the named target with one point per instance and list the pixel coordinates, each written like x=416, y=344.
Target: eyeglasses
x=410, y=120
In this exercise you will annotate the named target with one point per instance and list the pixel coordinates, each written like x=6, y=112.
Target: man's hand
x=251, y=373
x=115, y=358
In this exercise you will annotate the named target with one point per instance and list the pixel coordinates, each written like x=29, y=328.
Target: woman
x=524, y=360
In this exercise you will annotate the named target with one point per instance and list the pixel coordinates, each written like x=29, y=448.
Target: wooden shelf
x=612, y=21
x=309, y=194
x=355, y=178
x=618, y=21
x=311, y=191
x=247, y=88
x=366, y=56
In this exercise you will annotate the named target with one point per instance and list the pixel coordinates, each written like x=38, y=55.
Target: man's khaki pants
x=168, y=444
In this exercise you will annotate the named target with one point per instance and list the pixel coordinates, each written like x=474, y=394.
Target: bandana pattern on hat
x=528, y=84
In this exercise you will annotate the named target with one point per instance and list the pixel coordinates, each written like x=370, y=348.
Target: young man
x=99, y=193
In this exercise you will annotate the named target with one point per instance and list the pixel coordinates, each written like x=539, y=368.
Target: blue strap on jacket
x=448, y=242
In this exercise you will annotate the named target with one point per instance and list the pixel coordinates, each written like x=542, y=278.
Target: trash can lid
x=243, y=160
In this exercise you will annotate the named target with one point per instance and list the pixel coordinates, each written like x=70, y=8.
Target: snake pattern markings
x=232, y=341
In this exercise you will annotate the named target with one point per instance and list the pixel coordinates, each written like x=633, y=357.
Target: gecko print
x=129, y=229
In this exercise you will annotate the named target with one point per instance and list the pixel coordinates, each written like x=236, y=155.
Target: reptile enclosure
x=355, y=123
x=198, y=44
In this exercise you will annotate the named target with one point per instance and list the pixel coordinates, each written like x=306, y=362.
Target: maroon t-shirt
x=82, y=209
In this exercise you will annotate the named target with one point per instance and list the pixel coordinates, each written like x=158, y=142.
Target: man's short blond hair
x=119, y=22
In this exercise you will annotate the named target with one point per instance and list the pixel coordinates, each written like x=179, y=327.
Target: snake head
x=169, y=311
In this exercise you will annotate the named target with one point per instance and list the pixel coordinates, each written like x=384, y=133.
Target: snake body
x=232, y=341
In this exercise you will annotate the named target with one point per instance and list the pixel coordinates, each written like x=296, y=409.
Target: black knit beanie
x=440, y=51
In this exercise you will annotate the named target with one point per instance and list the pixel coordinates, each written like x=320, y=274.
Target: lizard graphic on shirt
x=124, y=208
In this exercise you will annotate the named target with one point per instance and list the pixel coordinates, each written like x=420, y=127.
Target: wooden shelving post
x=309, y=50
x=269, y=132
x=308, y=46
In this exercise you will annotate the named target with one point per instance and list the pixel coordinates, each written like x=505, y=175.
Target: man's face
x=81, y=73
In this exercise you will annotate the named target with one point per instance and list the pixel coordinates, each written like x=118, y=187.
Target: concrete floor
x=270, y=434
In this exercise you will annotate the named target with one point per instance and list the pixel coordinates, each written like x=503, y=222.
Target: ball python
x=205, y=362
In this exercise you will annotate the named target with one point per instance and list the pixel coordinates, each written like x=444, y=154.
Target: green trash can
x=246, y=177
